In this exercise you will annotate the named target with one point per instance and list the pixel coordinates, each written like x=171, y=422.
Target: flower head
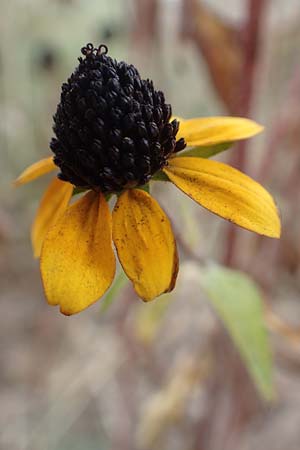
x=113, y=129
x=114, y=133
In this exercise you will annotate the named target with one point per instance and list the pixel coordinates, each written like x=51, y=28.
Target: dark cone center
x=112, y=128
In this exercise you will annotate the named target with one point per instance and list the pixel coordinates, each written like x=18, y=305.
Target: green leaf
x=237, y=300
x=206, y=152
x=120, y=281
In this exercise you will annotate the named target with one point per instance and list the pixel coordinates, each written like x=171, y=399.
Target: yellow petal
x=145, y=244
x=36, y=170
x=77, y=260
x=215, y=130
x=226, y=192
x=53, y=205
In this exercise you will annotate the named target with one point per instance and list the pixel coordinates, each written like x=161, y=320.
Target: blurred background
x=165, y=375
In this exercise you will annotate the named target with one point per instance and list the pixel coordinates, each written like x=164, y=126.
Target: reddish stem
x=282, y=124
x=256, y=9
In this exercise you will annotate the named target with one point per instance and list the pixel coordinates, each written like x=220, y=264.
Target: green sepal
x=206, y=152
x=160, y=176
x=145, y=187
x=78, y=190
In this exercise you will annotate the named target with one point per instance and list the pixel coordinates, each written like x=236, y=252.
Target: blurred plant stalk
x=232, y=57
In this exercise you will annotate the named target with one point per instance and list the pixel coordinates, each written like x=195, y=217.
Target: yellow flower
x=74, y=241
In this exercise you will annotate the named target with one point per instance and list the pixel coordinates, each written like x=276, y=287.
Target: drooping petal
x=216, y=130
x=53, y=205
x=77, y=259
x=145, y=244
x=226, y=192
x=36, y=170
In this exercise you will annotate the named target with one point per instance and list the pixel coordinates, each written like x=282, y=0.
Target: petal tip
x=66, y=312
x=16, y=183
x=259, y=128
x=277, y=233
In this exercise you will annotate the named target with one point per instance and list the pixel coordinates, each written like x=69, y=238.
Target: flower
x=114, y=133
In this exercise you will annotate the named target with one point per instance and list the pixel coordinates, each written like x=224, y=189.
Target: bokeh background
x=165, y=375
